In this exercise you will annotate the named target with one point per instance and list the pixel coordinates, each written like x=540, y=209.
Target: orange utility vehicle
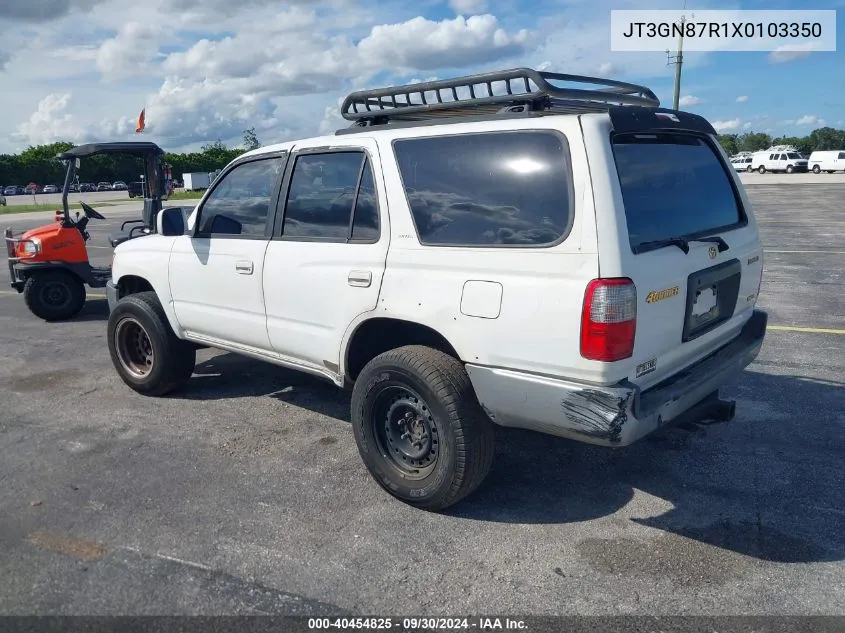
x=49, y=264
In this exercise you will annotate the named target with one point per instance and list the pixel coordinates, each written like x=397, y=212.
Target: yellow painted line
x=809, y=330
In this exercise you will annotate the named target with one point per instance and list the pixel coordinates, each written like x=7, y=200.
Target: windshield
x=673, y=185
x=793, y=155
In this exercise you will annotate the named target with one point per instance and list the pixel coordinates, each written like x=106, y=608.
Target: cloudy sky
x=81, y=70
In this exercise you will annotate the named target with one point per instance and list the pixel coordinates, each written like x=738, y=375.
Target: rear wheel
x=144, y=350
x=55, y=295
x=419, y=428
x=749, y=169
x=761, y=169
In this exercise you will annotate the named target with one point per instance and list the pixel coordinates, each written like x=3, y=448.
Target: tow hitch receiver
x=711, y=410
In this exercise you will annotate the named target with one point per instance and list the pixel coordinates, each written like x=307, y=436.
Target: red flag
x=142, y=123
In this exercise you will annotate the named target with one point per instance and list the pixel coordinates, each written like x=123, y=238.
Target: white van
x=775, y=159
x=829, y=161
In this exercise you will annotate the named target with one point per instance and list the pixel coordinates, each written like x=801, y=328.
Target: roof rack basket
x=518, y=89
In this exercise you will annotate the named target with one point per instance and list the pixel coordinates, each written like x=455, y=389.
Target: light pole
x=678, y=60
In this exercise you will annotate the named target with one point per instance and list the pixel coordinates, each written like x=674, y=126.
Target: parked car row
x=787, y=159
x=83, y=187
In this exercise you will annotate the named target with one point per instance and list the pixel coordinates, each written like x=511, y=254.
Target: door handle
x=243, y=267
x=360, y=278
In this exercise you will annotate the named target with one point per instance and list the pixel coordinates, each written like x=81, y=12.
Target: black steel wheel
x=144, y=350
x=419, y=427
x=55, y=295
x=405, y=431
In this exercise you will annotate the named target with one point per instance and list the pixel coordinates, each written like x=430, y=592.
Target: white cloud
x=129, y=52
x=742, y=99
x=422, y=44
x=746, y=126
x=688, y=100
x=810, y=119
x=50, y=122
x=468, y=7
x=608, y=70
x=791, y=53
x=726, y=126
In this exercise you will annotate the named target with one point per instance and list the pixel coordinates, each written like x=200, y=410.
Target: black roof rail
x=533, y=91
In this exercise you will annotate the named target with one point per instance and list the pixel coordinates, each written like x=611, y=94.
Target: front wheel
x=144, y=350
x=817, y=169
x=761, y=169
x=419, y=427
x=789, y=169
x=55, y=295
x=749, y=169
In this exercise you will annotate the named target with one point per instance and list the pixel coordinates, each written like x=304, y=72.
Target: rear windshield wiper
x=682, y=243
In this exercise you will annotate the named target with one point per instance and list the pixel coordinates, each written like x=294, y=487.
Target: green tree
x=754, y=141
x=251, y=139
x=729, y=143
x=827, y=138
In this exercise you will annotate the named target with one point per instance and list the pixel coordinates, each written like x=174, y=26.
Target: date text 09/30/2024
x=443, y=624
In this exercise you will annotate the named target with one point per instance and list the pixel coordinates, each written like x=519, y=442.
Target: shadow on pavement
x=767, y=485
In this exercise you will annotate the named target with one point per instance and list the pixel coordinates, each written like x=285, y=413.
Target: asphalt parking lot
x=245, y=493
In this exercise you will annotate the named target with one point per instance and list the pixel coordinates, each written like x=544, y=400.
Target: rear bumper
x=620, y=414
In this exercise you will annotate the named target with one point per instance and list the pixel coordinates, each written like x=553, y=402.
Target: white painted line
x=817, y=252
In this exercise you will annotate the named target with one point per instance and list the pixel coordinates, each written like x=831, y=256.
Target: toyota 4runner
x=493, y=249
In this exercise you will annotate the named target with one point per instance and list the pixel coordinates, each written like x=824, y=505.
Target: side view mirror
x=77, y=163
x=171, y=221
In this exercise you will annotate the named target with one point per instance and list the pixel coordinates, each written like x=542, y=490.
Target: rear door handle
x=360, y=278
x=243, y=267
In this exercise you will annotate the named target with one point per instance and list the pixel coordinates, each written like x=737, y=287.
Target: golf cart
x=49, y=264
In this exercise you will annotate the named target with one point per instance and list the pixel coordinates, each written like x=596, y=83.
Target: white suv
x=577, y=262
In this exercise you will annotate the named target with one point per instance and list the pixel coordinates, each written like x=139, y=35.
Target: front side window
x=240, y=202
x=489, y=189
x=332, y=196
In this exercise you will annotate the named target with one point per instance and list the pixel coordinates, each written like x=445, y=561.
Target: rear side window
x=673, y=185
x=492, y=189
x=332, y=197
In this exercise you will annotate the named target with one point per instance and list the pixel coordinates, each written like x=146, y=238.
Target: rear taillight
x=609, y=319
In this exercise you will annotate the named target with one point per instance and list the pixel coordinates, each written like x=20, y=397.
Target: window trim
x=569, y=178
x=730, y=175
x=282, y=154
x=277, y=229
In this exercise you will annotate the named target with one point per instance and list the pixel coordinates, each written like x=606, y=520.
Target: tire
x=54, y=295
x=817, y=169
x=749, y=169
x=789, y=169
x=144, y=350
x=455, y=437
x=761, y=169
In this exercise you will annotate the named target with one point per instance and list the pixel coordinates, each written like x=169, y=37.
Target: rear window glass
x=490, y=189
x=673, y=185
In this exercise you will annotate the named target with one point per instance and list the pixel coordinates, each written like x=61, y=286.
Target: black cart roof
x=129, y=147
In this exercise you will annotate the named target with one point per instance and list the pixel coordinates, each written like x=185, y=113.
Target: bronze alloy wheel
x=134, y=348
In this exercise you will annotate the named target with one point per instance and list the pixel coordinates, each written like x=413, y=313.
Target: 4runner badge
x=714, y=252
x=659, y=295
